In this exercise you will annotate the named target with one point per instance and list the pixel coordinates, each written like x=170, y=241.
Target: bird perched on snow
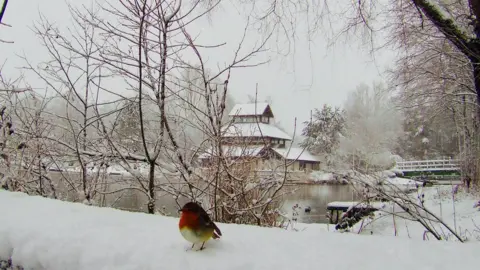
x=196, y=226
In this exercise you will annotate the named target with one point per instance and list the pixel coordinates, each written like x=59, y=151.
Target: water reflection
x=317, y=197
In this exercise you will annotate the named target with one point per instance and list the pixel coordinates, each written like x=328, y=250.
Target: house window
x=302, y=165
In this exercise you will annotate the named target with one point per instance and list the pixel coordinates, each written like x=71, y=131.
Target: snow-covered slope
x=40, y=233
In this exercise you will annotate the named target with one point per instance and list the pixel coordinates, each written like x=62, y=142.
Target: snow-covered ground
x=114, y=169
x=462, y=216
x=40, y=233
x=387, y=178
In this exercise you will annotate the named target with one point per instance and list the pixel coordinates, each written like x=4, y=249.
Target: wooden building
x=251, y=139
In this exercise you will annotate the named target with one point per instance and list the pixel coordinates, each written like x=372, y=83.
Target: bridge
x=438, y=169
x=428, y=165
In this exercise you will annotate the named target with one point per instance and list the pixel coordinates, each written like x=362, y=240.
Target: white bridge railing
x=428, y=165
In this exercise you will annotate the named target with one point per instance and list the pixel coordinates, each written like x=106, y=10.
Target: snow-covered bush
x=320, y=176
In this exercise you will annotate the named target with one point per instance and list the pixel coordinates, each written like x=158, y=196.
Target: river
x=314, y=196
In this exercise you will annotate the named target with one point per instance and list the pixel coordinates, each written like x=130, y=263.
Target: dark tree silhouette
x=2, y=11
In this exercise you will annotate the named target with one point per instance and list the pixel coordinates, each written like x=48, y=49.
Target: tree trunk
x=474, y=170
x=476, y=79
x=151, y=189
x=3, y=9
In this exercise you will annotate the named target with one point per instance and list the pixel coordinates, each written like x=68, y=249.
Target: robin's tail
x=216, y=233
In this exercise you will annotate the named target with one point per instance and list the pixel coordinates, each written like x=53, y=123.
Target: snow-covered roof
x=249, y=109
x=295, y=153
x=254, y=130
x=235, y=151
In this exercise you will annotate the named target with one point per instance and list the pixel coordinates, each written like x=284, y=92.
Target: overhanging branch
x=451, y=31
x=2, y=11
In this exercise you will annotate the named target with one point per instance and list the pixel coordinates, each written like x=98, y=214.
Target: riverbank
x=315, y=195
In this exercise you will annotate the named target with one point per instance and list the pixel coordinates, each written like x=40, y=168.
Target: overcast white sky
x=297, y=83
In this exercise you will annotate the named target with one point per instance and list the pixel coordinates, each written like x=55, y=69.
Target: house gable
x=251, y=109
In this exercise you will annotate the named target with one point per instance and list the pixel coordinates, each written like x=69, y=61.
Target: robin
x=196, y=226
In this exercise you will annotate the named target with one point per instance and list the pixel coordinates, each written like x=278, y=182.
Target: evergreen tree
x=323, y=131
x=129, y=127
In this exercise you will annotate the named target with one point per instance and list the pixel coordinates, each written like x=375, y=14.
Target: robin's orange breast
x=189, y=220
x=192, y=230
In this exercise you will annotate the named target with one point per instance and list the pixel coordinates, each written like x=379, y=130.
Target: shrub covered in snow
x=328, y=177
x=319, y=176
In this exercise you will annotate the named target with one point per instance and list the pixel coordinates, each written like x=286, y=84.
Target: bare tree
x=70, y=73
x=3, y=9
x=139, y=45
x=444, y=34
x=24, y=155
x=437, y=85
x=149, y=59
x=372, y=128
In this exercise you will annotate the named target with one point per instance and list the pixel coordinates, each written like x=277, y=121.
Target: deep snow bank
x=40, y=233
